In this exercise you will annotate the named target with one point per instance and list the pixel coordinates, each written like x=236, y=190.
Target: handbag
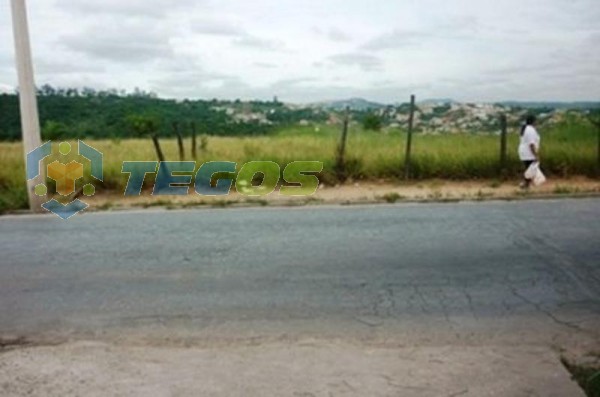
x=535, y=174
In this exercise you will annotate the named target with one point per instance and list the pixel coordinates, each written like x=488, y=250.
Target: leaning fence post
x=179, y=141
x=503, y=135
x=594, y=119
x=409, y=138
x=159, y=152
x=597, y=124
x=340, y=163
x=194, y=140
x=598, y=127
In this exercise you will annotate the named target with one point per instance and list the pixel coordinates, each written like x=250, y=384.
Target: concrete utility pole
x=30, y=123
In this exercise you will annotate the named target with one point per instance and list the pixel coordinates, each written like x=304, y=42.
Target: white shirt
x=530, y=136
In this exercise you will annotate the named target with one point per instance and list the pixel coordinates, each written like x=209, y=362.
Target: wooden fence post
x=597, y=124
x=598, y=127
x=409, y=138
x=159, y=152
x=179, y=141
x=503, y=137
x=340, y=163
x=194, y=148
x=594, y=119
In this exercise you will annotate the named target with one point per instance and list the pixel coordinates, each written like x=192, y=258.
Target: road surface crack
x=539, y=308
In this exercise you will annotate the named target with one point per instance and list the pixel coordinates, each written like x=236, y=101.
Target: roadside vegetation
x=569, y=149
x=586, y=372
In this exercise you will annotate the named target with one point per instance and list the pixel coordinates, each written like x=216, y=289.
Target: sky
x=315, y=50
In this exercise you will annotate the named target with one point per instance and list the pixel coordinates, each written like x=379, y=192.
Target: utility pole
x=30, y=123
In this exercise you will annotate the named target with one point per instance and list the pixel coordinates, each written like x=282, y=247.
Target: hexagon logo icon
x=65, y=175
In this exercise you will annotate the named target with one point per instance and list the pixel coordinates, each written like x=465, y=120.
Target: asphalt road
x=515, y=270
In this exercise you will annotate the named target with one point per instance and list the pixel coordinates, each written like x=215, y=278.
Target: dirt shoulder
x=366, y=193
x=305, y=368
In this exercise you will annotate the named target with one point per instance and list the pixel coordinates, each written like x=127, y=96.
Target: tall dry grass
x=567, y=150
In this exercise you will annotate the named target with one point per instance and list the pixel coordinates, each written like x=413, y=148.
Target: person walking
x=529, y=147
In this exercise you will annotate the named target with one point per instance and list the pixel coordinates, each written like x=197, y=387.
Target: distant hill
x=435, y=101
x=362, y=104
x=552, y=105
x=580, y=105
x=352, y=103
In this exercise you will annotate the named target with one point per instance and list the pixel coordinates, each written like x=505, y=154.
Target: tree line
x=70, y=113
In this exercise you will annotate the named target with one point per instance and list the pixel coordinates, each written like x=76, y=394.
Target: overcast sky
x=312, y=50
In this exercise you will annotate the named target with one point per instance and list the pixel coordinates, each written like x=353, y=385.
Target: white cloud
x=128, y=8
x=126, y=42
x=395, y=39
x=259, y=43
x=364, y=61
x=473, y=50
x=216, y=28
x=333, y=34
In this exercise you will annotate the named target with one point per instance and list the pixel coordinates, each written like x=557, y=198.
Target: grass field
x=567, y=150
